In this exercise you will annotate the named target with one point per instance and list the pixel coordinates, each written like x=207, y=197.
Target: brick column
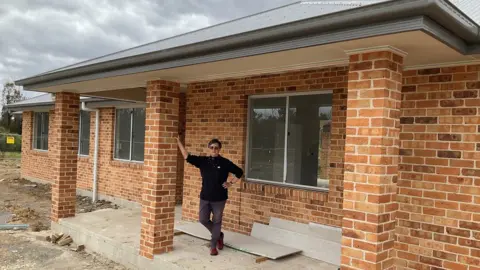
x=371, y=159
x=158, y=196
x=64, y=154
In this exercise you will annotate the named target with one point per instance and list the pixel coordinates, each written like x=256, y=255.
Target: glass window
x=300, y=159
x=84, y=140
x=40, y=134
x=266, y=153
x=138, y=134
x=130, y=134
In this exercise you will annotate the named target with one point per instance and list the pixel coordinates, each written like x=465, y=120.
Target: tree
x=10, y=94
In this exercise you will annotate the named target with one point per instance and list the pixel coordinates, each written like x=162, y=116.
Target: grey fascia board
x=28, y=105
x=448, y=38
x=440, y=11
x=17, y=107
x=34, y=108
x=399, y=26
x=474, y=49
x=114, y=103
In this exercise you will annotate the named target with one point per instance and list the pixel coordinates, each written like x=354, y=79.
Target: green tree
x=10, y=94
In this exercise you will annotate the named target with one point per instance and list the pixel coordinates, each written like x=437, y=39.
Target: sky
x=41, y=35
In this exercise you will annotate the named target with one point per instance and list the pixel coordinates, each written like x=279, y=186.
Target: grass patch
x=11, y=154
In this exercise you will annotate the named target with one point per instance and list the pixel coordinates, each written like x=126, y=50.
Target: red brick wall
x=439, y=185
x=35, y=163
x=180, y=160
x=115, y=178
x=219, y=109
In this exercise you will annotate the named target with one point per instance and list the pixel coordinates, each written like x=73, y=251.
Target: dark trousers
x=214, y=225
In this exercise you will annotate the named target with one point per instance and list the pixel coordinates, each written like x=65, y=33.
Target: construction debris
x=61, y=239
x=261, y=259
x=65, y=241
x=78, y=248
x=55, y=237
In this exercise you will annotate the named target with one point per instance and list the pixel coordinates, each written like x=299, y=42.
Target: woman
x=214, y=170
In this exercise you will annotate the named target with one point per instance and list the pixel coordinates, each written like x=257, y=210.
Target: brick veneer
x=219, y=109
x=371, y=160
x=115, y=178
x=160, y=168
x=121, y=179
x=35, y=164
x=63, y=154
x=439, y=184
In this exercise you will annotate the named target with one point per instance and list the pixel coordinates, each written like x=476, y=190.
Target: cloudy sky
x=40, y=35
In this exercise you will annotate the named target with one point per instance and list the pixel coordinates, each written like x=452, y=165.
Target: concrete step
x=311, y=246
x=317, y=230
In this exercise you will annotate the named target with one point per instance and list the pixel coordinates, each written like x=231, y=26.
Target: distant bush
x=16, y=147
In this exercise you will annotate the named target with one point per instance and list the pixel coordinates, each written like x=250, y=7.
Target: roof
x=42, y=99
x=281, y=15
x=470, y=7
x=460, y=17
x=46, y=101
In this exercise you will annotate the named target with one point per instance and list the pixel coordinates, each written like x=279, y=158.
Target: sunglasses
x=214, y=147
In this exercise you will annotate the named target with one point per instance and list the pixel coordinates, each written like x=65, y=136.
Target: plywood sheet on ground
x=311, y=246
x=241, y=242
x=317, y=230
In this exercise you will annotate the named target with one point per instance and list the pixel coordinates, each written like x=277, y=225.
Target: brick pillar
x=158, y=196
x=371, y=159
x=64, y=153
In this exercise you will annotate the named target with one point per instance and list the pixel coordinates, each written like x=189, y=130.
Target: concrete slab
x=115, y=234
x=311, y=246
x=242, y=242
x=328, y=232
x=317, y=230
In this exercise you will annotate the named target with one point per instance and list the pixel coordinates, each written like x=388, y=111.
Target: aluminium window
x=130, y=134
x=40, y=131
x=289, y=139
x=84, y=136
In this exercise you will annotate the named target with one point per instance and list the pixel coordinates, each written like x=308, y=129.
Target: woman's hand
x=227, y=184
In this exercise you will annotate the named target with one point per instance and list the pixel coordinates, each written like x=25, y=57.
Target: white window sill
x=128, y=161
x=311, y=188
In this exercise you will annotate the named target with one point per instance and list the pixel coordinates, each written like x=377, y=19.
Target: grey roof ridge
x=443, y=12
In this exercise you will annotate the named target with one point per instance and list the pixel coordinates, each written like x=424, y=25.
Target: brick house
x=364, y=117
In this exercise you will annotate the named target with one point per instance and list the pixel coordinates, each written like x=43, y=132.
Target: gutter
x=440, y=11
x=95, y=154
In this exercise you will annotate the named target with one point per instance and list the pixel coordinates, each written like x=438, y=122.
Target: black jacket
x=214, y=171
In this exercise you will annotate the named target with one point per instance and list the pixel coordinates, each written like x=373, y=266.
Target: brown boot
x=213, y=252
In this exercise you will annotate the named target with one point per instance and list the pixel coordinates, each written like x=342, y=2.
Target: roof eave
x=440, y=11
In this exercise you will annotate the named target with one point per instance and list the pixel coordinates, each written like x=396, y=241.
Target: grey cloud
x=41, y=35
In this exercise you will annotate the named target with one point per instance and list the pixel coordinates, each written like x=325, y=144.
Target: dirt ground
x=30, y=203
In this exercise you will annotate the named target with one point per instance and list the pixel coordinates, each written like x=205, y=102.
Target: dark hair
x=216, y=141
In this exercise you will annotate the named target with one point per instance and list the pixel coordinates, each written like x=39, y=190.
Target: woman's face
x=214, y=149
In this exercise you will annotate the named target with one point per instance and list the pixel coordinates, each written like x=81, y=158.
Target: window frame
x=247, y=144
x=80, y=133
x=34, y=131
x=131, y=134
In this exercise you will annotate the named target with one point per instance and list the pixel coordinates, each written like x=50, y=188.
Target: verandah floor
x=116, y=235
